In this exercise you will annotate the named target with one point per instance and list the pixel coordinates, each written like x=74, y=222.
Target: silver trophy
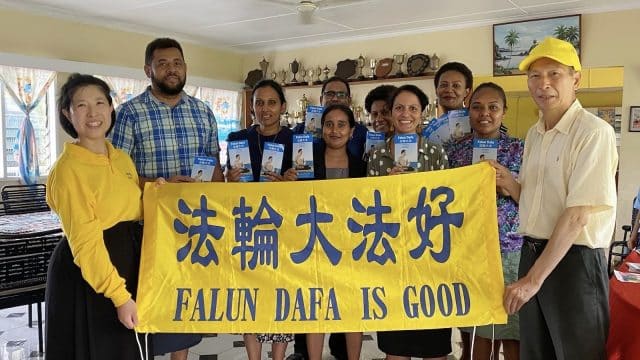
x=264, y=66
x=399, y=59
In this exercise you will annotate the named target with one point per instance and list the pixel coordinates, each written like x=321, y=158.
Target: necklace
x=273, y=139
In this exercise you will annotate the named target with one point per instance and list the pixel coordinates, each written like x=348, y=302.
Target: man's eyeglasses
x=335, y=94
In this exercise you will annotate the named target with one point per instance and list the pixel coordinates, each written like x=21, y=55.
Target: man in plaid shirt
x=163, y=130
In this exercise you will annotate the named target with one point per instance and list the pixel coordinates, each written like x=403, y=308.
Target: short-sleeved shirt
x=164, y=140
x=509, y=155
x=572, y=164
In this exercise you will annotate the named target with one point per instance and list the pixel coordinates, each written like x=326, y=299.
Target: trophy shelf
x=389, y=79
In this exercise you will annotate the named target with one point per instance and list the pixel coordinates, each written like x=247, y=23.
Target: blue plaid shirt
x=163, y=140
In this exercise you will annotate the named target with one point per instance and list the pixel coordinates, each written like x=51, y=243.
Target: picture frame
x=634, y=119
x=513, y=41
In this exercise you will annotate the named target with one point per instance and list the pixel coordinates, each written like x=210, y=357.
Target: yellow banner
x=413, y=251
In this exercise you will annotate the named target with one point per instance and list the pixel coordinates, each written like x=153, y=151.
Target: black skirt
x=416, y=343
x=80, y=323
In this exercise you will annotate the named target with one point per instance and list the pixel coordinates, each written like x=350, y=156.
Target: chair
x=23, y=272
x=620, y=249
x=20, y=199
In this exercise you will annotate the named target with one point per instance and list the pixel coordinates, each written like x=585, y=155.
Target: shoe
x=295, y=356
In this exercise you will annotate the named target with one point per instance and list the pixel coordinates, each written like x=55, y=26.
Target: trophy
x=326, y=71
x=294, y=67
x=399, y=59
x=283, y=77
x=274, y=75
x=303, y=102
x=264, y=66
x=435, y=62
x=361, y=61
x=310, y=73
x=358, y=113
x=318, y=73
x=372, y=66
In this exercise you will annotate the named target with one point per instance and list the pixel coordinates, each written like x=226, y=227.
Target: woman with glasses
x=407, y=104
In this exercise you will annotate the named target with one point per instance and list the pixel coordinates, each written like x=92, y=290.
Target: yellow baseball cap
x=554, y=49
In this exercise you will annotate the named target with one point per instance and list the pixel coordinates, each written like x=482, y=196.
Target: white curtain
x=124, y=89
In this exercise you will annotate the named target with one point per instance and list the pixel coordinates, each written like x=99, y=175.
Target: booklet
x=312, y=123
x=239, y=158
x=374, y=141
x=271, y=159
x=406, y=151
x=303, y=155
x=438, y=130
x=459, y=123
x=484, y=149
x=202, y=169
x=627, y=276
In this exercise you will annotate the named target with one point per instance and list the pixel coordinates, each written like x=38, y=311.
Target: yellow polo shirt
x=573, y=164
x=91, y=193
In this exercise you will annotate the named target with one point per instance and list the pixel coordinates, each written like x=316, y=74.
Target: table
x=624, y=305
x=29, y=225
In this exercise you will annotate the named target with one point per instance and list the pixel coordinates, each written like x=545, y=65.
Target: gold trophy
x=303, y=102
x=318, y=74
x=326, y=71
x=399, y=59
x=310, y=73
x=283, y=77
x=435, y=62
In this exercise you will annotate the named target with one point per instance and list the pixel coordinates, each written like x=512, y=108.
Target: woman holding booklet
x=488, y=104
x=407, y=104
x=332, y=160
x=267, y=104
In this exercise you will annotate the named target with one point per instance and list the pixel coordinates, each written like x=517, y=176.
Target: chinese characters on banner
x=414, y=251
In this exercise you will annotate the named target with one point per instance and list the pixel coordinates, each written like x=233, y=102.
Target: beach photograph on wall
x=513, y=41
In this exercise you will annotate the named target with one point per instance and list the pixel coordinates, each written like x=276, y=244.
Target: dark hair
x=422, y=97
x=382, y=92
x=160, y=43
x=75, y=82
x=494, y=86
x=458, y=67
x=335, y=79
x=272, y=84
x=345, y=109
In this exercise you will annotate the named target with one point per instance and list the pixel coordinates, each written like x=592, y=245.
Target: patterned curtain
x=27, y=87
x=124, y=89
x=226, y=106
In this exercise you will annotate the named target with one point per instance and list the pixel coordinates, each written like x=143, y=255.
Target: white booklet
x=312, y=121
x=459, y=123
x=405, y=151
x=485, y=149
x=202, y=169
x=239, y=158
x=271, y=159
x=303, y=155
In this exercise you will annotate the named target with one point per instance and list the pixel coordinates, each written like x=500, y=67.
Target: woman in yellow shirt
x=93, y=273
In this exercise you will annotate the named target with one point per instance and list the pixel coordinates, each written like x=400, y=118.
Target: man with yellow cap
x=567, y=202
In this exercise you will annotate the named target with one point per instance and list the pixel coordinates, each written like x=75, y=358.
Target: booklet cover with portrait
x=271, y=159
x=485, y=149
x=405, y=151
x=312, y=121
x=239, y=158
x=438, y=130
x=202, y=169
x=375, y=140
x=303, y=155
x=459, y=123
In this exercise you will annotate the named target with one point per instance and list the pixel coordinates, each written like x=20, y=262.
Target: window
x=43, y=121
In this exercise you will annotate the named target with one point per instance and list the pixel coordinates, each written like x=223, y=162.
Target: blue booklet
x=271, y=159
x=459, y=123
x=303, y=155
x=438, y=130
x=312, y=123
x=485, y=149
x=239, y=158
x=405, y=151
x=202, y=169
x=375, y=140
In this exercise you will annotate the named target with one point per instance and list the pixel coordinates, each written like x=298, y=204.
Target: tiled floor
x=19, y=342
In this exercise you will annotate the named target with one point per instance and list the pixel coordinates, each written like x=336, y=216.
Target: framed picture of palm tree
x=512, y=41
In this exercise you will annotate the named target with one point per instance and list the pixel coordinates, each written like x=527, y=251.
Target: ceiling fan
x=307, y=8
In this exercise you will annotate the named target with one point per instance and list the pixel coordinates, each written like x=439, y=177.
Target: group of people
x=552, y=225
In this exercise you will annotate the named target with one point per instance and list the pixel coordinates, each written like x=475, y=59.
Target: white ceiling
x=260, y=25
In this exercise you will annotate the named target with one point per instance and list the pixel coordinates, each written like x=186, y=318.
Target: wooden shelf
x=427, y=75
